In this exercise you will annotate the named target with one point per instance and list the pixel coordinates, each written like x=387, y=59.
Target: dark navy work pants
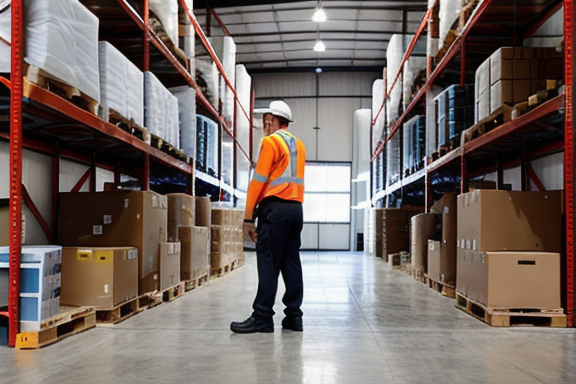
x=278, y=250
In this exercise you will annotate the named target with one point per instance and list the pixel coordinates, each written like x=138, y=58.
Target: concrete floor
x=363, y=323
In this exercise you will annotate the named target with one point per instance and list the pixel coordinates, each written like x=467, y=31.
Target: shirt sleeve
x=260, y=177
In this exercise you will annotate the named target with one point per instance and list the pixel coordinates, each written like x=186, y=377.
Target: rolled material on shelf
x=121, y=84
x=378, y=92
x=187, y=111
x=412, y=68
x=5, y=38
x=160, y=110
x=225, y=49
x=62, y=39
x=167, y=13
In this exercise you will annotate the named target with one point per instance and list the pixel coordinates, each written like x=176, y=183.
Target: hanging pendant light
x=319, y=46
x=319, y=16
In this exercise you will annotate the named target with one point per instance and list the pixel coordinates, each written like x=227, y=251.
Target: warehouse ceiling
x=280, y=35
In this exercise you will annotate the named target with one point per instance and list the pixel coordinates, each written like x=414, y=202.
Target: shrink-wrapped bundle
x=5, y=38
x=62, y=40
x=378, y=113
x=187, y=112
x=244, y=92
x=225, y=49
x=448, y=13
x=167, y=13
x=207, y=76
x=121, y=84
x=393, y=159
x=412, y=68
x=160, y=110
x=431, y=120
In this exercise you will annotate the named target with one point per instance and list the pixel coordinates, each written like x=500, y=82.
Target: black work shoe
x=251, y=325
x=292, y=323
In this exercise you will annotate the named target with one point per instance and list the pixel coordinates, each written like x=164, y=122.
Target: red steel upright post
x=15, y=172
x=569, y=155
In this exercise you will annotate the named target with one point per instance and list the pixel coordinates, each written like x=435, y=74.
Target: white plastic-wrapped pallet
x=62, y=39
x=187, y=112
x=412, y=68
x=5, y=36
x=394, y=54
x=207, y=78
x=244, y=91
x=121, y=84
x=160, y=110
x=378, y=113
x=431, y=124
x=167, y=13
x=393, y=159
x=448, y=13
x=225, y=49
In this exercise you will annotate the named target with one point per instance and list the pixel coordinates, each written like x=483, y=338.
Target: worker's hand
x=250, y=231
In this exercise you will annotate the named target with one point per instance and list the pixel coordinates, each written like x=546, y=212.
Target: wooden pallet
x=127, y=125
x=49, y=82
x=500, y=116
x=225, y=269
x=169, y=149
x=445, y=289
x=174, y=291
x=197, y=282
x=418, y=275
x=70, y=321
x=497, y=317
x=119, y=312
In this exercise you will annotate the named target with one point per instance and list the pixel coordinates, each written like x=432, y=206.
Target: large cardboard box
x=423, y=228
x=511, y=280
x=395, y=229
x=102, y=277
x=181, y=211
x=118, y=218
x=201, y=250
x=195, y=252
x=169, y=264
x=490, y=220
x=203, y=211
x=446, y=272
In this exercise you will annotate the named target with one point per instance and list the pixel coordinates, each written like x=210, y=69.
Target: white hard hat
x=280, y=108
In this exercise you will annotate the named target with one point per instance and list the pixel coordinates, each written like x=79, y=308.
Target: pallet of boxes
x=196, y=245
x=508, y=257
x=227, y=243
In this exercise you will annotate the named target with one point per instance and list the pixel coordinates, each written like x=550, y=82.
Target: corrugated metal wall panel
x=304, y=116
x=309, y=236
x=70, y=173
x=284, y=85
x=335, y=119
x=348, y=84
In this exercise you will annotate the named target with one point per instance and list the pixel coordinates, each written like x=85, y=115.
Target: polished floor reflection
x=364, y=323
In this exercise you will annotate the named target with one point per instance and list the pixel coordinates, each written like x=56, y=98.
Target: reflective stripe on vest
x=290, y=174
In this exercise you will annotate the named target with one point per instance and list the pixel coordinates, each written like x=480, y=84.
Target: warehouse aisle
x=364, y=323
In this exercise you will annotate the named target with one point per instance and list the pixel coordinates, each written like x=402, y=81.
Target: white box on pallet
x=121, y=84
x=160, y=110
x=62, y=39
x=39, y=283
x=167, y=13
x=187, y=112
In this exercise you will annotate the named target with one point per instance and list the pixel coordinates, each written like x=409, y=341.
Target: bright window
x=327, y=193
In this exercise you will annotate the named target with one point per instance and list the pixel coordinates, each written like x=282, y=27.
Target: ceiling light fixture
x=319, y=47
x=319, y=16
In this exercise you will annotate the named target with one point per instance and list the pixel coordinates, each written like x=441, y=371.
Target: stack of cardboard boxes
x=227, y=245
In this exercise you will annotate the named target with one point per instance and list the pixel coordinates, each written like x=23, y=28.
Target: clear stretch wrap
x=244, y=92
x=5, y=38
x=448, y=13
x=377, y=101
x=412, y=67
x=167, y=13
x=187, y=111
x=62, y=39
x=121, y=84
x=160, y=110
x=393, y=159
x=225, y=49
x=207, y=78
x=431, y=121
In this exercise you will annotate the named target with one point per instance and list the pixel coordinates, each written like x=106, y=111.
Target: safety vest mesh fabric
x=290, y=174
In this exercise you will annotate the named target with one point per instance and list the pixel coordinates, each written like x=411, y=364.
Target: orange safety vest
x=279, y=171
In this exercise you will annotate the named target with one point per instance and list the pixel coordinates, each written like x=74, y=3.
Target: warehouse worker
x=275, y=197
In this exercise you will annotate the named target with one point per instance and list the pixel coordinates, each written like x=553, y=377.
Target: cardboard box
x=446, y=207
x=509, y=92
x=423, y=227
x=114, y=219
x=201, y=250
x=483, y=106
x=395, y=231
x=203, y=211
x=434, y=261
x=181, y=211
x=169, y=264
x=491, y=220
x=102, y=277
x=511, y=280
x=482, y=77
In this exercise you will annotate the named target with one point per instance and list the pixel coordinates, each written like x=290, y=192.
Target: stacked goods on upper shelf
x=431, y=123
x=225, y=49
x=187, y=111
x=40, y=279
x=243, y=125
x=448, y=14
x=455, y=113
x=207, y=75
x=62, y=41
x=413, y=77
x=163, y=18
x=121, y=85
x=508, y=245
x=118, y=218
x=5, y=38
x=414, y=144
x=187, y=36
x=510, y=75
x=102, y=277
x=378, y=112
x=207, y=143
x=160, y=110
